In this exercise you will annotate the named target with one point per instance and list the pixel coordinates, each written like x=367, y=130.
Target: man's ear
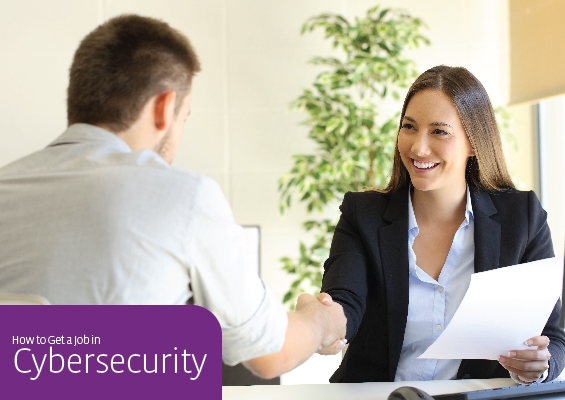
x=164, y=110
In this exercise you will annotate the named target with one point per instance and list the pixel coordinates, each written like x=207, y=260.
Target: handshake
x=331, y=321
x=318, y=325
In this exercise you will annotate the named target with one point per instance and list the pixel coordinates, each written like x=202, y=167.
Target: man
x=100, y=217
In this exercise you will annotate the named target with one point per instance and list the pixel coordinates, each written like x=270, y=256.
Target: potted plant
x=355, y=137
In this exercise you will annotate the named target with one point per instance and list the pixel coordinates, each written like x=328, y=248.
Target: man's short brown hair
x=124, y=62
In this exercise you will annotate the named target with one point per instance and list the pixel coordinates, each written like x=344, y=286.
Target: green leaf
x=332, y=124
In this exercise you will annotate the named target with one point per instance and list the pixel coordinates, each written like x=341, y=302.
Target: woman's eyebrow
x=432, y=124
x=440, y=124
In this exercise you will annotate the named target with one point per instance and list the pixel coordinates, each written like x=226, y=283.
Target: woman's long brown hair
x=487, y=169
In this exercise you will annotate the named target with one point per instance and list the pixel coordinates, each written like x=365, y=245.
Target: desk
x=355, y=391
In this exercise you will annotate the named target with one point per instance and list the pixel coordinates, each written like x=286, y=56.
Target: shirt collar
x=412, y=224
x=85, y=133
x=469, y=208
x=411, y=217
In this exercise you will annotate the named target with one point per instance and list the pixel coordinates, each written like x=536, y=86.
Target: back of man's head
x=124, y=62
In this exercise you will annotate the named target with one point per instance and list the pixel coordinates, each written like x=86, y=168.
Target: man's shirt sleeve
x=253, y=322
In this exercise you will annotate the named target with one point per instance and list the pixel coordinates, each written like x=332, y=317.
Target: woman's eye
x=407, y=126
x=440, y=132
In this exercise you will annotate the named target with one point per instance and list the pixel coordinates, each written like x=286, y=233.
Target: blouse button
x=440, y=289
x=438, y=327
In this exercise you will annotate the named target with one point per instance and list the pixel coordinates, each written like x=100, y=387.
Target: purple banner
x=110, y=352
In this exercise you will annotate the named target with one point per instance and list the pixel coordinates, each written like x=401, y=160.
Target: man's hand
x=529, y=365
x=339, y=344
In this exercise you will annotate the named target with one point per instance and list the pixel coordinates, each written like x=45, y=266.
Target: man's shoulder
x=96, y=168
x=150, y=171
x=92, y=160
x=192, y=179
x=148, y=163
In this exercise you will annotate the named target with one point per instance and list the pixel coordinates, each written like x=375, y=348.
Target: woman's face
x=432, y=142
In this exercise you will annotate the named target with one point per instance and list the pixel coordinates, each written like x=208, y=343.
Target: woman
x=402, y=258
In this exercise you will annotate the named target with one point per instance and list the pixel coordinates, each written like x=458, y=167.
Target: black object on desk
x=409, y=393
x=547, y=390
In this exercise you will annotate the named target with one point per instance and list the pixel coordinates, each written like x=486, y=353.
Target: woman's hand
x=333, y=348
x=529, y=365
x=339, y=344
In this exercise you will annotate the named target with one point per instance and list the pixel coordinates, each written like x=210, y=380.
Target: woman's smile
x=422, y=167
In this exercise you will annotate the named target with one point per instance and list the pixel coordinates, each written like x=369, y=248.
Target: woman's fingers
x=529, y=365
x=324, y=298
x=536, y=355
x=524, y=366
x=333, y=348
x=528, y=371
x=540, y=341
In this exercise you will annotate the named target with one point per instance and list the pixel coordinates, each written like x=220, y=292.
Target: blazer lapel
x=487, y=231
x=393, y=243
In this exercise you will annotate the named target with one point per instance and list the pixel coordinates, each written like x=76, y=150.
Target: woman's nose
x=420, y=146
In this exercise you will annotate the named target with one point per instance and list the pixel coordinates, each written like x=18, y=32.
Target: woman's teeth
x=424, y=165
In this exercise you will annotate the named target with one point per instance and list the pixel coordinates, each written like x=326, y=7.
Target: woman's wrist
x=517, y=379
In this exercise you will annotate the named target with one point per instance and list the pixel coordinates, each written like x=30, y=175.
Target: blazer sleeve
x=539, y=247
x=345, y=271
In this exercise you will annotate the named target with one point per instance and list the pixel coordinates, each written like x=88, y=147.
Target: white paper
x=500, y=311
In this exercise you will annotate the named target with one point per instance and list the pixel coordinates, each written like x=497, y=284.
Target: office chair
x=22, y=299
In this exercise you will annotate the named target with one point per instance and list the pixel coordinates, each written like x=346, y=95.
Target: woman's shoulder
x=510, y=196
x=368, y=196
x=372, y=200
x=512, y=202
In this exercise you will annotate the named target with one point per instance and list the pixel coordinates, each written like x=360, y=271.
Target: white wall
x=552, y=143
x=254, y=64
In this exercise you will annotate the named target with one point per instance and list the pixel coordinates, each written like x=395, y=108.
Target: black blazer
x=367, y=273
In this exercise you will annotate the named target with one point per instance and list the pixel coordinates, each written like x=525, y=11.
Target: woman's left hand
x=529, y=365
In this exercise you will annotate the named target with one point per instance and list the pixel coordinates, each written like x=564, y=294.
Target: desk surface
x=355, y=391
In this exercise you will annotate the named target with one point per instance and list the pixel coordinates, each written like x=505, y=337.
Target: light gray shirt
x=88, y=221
